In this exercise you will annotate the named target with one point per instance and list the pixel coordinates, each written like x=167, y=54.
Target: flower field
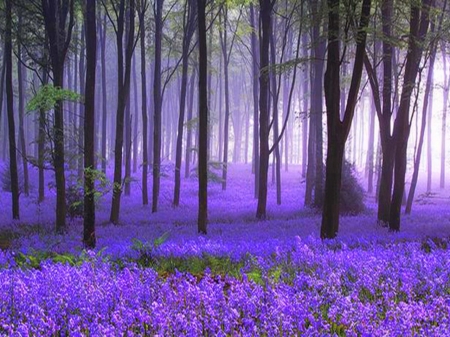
x=154, y=276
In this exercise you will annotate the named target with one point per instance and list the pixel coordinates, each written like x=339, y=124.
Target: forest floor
x=154, y=275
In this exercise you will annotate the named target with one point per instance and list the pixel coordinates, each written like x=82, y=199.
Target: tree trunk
x=371, y=149
x=21, y=79
x=338, y=130
x=444, y=120
x=10, y=111
x=265, y=15
x=59, y=37
x=203, y=121
x=418, y=28
x=255, y=74
x=187, y=161
x=189, y=28
x=80, y=128
x=316, y=101
x=134, y=139
x=225, y=54
x=426, y=114
x=104, y=89
x=157, y=101
x=275, y=91
x=142, y=10
x=123, y=92
x=89, y=239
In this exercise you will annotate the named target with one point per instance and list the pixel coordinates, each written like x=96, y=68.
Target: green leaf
x=48, y=96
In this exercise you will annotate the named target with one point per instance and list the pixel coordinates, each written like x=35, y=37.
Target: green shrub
x=352, y=193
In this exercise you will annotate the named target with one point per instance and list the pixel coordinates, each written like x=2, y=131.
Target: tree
x=203, y=120
x=419, y=21
x=255, y=72
x=21, y=79
x=123, y=10
x=338, y=129
x=142, y=8
x=59, y=22
x=89, y=239
x=188, y=32
x=157, y=101
x=265, y=17
x=10, y=110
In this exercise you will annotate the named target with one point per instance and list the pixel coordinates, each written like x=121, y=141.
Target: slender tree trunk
x=145, y=164
x=10, y=110
x=370, y=150
x=104, y=90
x=134, y=137
x=418, y=28
x=157, y=101
x=80, y=128
x=41, y=145
x=428, y=97
x=59, y=37
x=89, y=239
x=224, y=44
x=305, y=119
x=429, y=139
x=444, y=120
x=123, y=85
x=203, y=121
x=265, y=16
x=187, y=161
x=255, y=75
x=21, y=79
x=275, y=92
x=128, y=123
x=189, y=28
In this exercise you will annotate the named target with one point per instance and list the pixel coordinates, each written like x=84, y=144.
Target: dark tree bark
x=143, y=5
x=265, y=17
x=157, y=101
x=59, y=22
x=255, y=74
x=135, y=120
x=444, y=119
x=305, y=116
x=226, y=61
x=187, y=160
x=275, y=94
x=419, y=21
x=128, y=122
x=41, y=144
x=316, y=101
x=428, y=98
x=80, y=128
x=21, y=79
x=338, y=129
x=89, y=239
x=189, y=29
x=104, y=90
x=203, y=120
x=383, y=107
x=125, y=10
x=10, y=111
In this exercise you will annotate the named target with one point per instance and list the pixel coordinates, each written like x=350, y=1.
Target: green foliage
x=352, y=193
x=75, y=192
x=48, y=96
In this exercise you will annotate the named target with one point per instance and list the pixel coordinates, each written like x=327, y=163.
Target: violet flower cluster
x=311, y=289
